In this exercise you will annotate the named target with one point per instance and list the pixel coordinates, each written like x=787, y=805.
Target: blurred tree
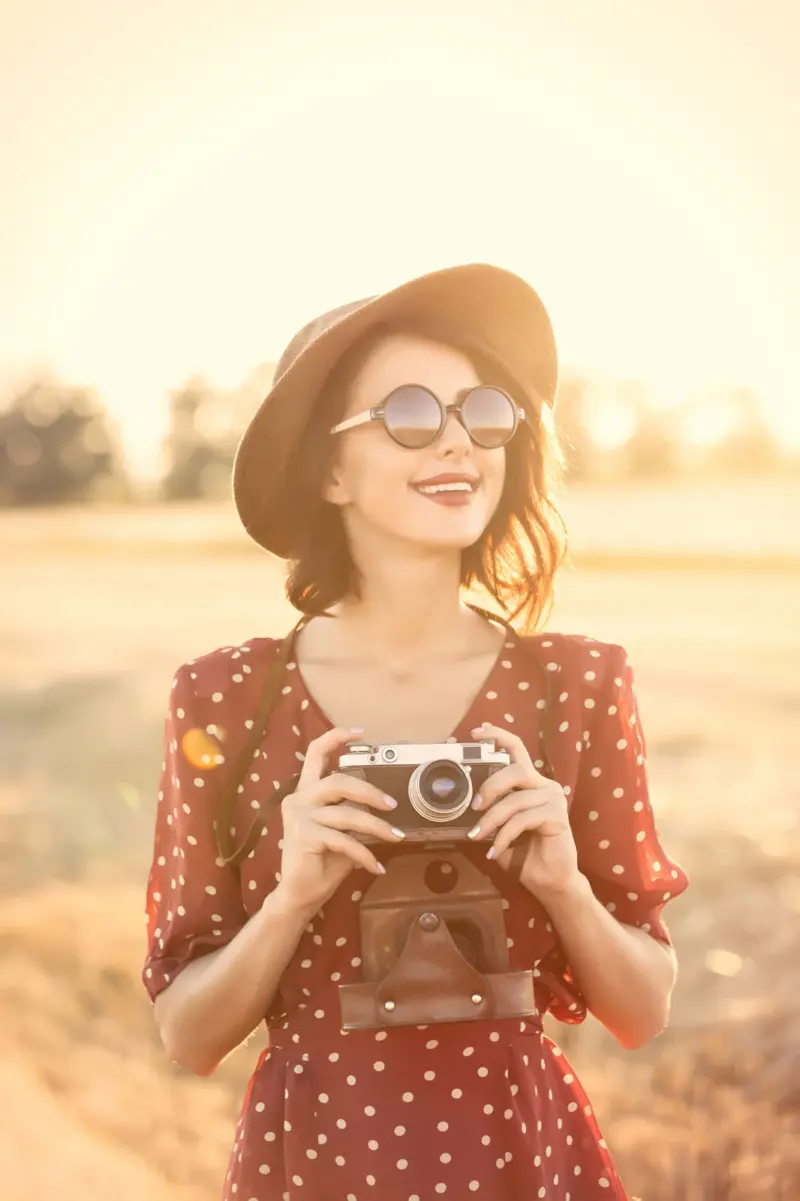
x=57, y=446
x=572, y=427
x=726, y=432
x=652, y=450
x=204, y=430
x=750, y=445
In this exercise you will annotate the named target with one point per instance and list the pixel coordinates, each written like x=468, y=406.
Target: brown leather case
x=433, y=948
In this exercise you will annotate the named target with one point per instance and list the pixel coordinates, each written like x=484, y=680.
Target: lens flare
x=203, y=748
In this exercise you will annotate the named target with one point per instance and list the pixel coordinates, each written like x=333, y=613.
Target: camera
x=433, y=783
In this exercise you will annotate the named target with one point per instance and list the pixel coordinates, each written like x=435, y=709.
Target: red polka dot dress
x=486, y=1108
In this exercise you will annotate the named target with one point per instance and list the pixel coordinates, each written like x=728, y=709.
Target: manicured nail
x=357, y=729
x=490, y=853
x=474, y=832
x=479, y=729
x=397, y=833
x=478, y=801
x=389, y=800
x=381, y=869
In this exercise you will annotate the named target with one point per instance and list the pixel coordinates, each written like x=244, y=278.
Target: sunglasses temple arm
x=352, y=422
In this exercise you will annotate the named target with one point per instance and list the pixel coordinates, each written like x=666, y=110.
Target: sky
x=186, y=182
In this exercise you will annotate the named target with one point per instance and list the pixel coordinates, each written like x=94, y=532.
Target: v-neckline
x=509, y=643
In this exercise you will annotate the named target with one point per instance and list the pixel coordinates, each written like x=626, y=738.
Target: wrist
x=281, y=903
x=574, y=892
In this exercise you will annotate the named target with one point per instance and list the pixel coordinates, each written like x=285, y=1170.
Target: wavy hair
x=516, y=558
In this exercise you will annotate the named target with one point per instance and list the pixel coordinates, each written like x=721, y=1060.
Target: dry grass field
x=95, y=614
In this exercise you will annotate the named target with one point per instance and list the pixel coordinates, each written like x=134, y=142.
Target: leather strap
x=230, y=855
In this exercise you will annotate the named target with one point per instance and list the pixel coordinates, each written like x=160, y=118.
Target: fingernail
x=357, y=729
x=478, y=801
x=389, y=800
x=474, y=832
x=381, y=869
x=397, y=833
x=479, y=729
x=490, y=853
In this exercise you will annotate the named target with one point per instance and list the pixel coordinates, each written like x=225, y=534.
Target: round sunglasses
x=414, y=416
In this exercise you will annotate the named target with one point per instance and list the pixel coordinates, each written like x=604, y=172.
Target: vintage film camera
x=433, y=938
x=433, y=783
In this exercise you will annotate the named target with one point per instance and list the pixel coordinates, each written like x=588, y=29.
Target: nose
x=454, y=439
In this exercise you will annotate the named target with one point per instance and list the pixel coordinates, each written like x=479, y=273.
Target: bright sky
x=186, y=182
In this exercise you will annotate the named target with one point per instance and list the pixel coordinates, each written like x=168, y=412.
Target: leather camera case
x=434, y=948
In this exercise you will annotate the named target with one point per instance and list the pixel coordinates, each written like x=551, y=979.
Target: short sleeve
x=619, y=850
x=194, y=903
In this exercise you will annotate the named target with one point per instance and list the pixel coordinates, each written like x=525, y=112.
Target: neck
x=407, y=605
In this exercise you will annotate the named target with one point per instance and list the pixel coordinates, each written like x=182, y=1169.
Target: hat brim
x=504, y=310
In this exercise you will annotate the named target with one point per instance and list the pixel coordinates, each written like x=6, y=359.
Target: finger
x=339, y=786
x=507, y=741
x=349, y=819
x=321, y=750
x=342, y=844
x=502, y=811
x=525, y=822
x=501, y=782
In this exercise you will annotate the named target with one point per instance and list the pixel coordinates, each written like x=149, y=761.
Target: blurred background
x=184, y=186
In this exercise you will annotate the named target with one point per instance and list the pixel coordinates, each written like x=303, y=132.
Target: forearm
x=625, y=975
x=219, y=999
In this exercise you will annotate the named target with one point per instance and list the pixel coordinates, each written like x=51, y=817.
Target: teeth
x=431, y=489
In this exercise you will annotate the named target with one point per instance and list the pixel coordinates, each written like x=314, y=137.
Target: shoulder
x=228, y=671
x=578, y=657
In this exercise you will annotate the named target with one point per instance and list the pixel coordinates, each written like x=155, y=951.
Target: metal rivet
x=429, y=921
x=476, y=998
x=388, y=1005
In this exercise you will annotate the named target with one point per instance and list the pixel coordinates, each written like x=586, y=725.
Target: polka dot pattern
x=358, y=1114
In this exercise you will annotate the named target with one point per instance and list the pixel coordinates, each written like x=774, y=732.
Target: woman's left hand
x=519, y=802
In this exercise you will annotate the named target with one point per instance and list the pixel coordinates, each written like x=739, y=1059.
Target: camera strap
x=229, y=853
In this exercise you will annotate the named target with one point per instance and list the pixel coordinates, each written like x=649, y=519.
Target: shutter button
x=429, y=921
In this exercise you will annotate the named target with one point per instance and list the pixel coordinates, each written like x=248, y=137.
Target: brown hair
x=516, y=558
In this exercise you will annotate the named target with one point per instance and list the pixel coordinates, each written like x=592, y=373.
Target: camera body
x=433, y=783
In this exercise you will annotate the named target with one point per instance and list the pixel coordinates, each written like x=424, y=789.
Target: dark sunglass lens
x=413, y=416
x=489, y=416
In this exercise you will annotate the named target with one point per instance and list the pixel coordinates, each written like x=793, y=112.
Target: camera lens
x=440, y=791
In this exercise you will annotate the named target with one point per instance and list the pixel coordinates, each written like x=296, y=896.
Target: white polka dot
x=618, y=869
x=445, y=1157
x=264, y=1169
x=603, y=1182
x=399, y=1130
x=456, y=1092
x=408, y=1096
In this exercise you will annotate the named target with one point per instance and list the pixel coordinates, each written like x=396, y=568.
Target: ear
x=334, y=489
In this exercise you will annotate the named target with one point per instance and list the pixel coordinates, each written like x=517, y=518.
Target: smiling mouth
x=465, y=486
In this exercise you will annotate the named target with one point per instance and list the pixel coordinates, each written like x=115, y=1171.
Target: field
x=96, y=611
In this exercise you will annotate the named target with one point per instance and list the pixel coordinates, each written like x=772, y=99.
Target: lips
x=449, y=484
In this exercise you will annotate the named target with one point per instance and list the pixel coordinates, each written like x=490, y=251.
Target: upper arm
x=194, y=902
x=619, y=847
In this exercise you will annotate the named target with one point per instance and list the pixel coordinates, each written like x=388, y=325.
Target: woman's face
x=383, y=487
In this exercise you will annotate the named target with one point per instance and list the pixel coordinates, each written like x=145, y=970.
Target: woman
x=403, y=453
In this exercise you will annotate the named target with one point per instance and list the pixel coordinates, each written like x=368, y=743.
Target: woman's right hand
x=319, y=850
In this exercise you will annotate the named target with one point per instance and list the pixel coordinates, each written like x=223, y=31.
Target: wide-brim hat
x=501, y=309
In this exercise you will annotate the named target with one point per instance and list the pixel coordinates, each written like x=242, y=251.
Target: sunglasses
x=414, y=416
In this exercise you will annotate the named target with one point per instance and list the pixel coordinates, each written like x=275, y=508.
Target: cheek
x=494, y=476
x=373, y=474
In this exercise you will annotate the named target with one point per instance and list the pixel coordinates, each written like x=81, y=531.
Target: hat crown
x=312, y=330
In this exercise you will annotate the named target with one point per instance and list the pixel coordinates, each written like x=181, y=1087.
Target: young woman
x=403, y=454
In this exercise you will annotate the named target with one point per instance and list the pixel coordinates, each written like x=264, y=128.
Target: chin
x=437, y=536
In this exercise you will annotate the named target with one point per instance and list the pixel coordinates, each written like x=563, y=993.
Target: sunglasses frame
x=378, y=413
